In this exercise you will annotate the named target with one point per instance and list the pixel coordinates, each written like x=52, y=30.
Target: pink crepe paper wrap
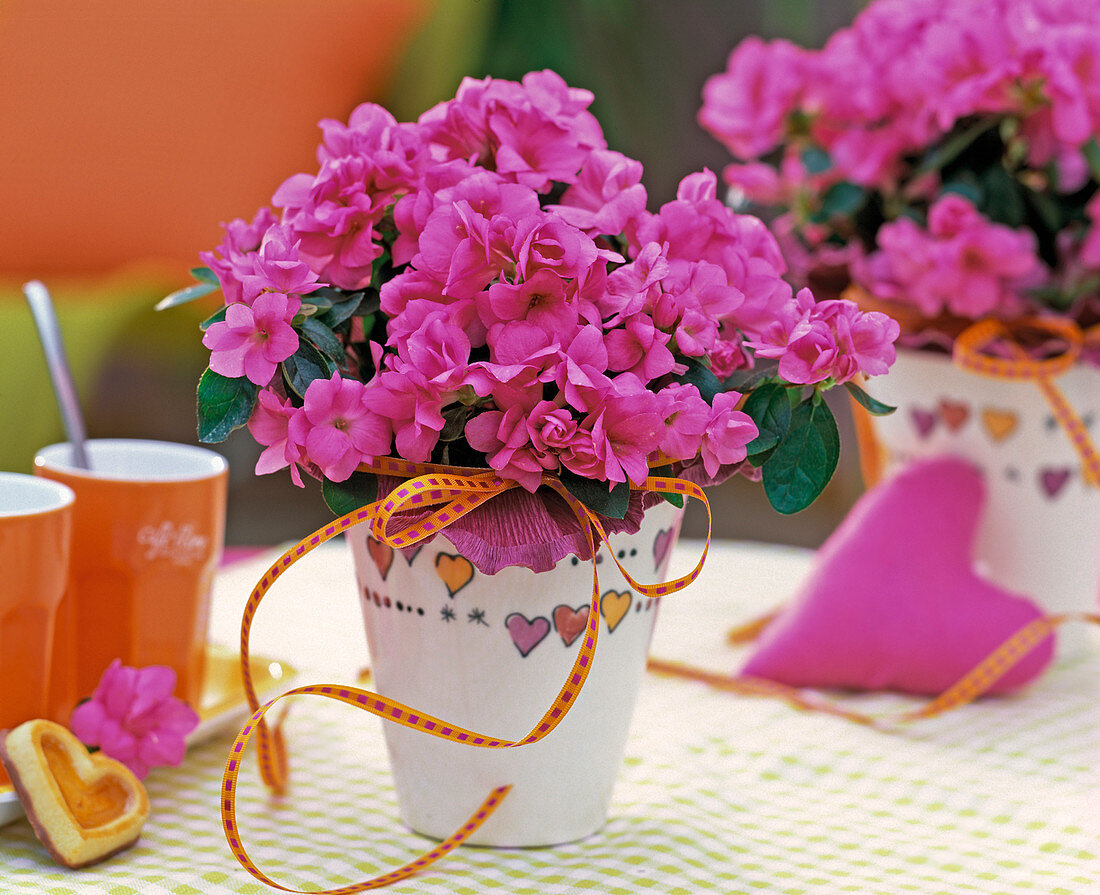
x=518, y=528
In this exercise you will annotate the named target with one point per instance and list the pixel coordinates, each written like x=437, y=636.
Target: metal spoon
x=38, y=297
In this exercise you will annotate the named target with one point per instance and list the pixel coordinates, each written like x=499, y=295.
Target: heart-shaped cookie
x=83, y=808
x=454, y=571
x=613, y=606
x=893, y=601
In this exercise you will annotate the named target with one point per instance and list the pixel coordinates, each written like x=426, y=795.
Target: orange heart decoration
x=613, y=606
x=999, y=423
x=455, y=571
x=83, y=808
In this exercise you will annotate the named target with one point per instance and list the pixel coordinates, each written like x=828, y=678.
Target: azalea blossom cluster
x=486, y=284
x=938, y=153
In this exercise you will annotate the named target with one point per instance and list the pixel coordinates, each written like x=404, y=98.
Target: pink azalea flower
x=607, y=195
x=413, y=407
x=505, y=440
x=747, y=106
x=582, y=374
x=278, y=267
x=540, y=299
x=338, y=428
x=625, y=430
x=727, y=434
x=134, y=718
x=552, y=428
x=233, y=259
x=686, y=416
x=253, y=341
x=270, y=426
x=640, y=348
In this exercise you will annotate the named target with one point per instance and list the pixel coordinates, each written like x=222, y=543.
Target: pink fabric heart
x=893, y=601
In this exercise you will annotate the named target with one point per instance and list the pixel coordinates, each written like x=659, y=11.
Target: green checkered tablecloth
x=718, y=793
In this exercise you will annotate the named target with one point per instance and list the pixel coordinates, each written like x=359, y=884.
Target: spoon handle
x=38, y=297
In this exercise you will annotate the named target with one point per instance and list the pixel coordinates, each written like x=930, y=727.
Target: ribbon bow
x=971, y=353
x=454, y=491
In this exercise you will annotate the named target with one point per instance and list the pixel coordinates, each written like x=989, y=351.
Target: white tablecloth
x=718, y=793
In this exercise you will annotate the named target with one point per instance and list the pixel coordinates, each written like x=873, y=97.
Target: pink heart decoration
x=893, y=601
x=924, y=420
x=526, y=635
x=661, y=546
x=1053, y=480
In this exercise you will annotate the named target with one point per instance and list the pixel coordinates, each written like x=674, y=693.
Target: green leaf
x=843, y=199
x=967, y=187
x=205, y=275
x=1092, y=156
x=317, y=303
x=224, y=404
x=1001, y=199
x=217, y=317
x=305, y=365
x=745, y=380
x=322, y=338
x=871, y=405
x=183, y=296
x=596, y=496
x=342, y=310
x=954, y=145
x=816, y=160
x=801, y=466
x=770, y=408
x=700, y=375
x=356, y=491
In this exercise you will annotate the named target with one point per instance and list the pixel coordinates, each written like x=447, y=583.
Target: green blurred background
x=645, y=61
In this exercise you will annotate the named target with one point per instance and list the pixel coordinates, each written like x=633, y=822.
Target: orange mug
x=35, y=528
x=148, y=532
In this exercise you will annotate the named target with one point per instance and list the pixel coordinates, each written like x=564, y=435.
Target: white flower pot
x=490, y=653
x=1040, y=533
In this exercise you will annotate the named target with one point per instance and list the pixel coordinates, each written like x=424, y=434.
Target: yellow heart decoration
x=83, y=808
x=455, y=571
x=999, y=423
x=613, y=606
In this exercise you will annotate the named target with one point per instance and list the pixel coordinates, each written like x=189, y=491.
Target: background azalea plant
x=939, y=154
x=485, y=287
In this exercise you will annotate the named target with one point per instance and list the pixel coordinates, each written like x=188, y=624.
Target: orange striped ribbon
x=455, y=491
x=970, y=354
x=968, y=688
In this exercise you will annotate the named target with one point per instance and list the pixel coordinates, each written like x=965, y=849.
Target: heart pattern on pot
x=894, y=602
x=454, y=571
x=570, y=622
x=923, y=420
x=999, y=424
x=954, y=413
x=382, y=554
x=1052, y=480
x=662, y=544
x=526, y=633
x=614, y=605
